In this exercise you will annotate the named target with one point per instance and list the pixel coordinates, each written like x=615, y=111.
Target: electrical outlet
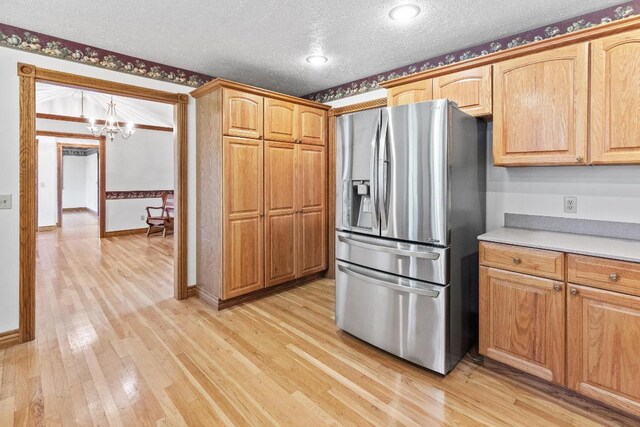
x=142, y=217
x=5, y=201
x=571, y=204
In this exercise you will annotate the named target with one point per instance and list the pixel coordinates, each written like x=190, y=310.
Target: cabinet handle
x=613, y=277
x=579, y=159
x=557, y=287
x=574, y=291
x=516, y=260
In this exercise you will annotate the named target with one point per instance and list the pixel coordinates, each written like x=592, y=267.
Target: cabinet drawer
x=536, y=262
x=618, y=276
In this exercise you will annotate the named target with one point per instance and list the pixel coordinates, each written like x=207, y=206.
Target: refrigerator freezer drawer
x=420, y=262
x=405, y=317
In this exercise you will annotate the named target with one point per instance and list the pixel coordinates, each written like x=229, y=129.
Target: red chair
x=164, y=221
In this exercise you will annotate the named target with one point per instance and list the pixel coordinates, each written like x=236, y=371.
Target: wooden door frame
x=28, y=76
x=101, y=174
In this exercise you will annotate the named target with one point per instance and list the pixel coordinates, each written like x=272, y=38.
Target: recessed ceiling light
x=317, y=59
x=404, y=12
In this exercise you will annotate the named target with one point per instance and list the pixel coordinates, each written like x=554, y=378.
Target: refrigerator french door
x=397, y=170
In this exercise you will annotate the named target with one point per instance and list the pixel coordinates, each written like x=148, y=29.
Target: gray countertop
x=604, y=247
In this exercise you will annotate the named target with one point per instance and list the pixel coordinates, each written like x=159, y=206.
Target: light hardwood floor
x=114, y=348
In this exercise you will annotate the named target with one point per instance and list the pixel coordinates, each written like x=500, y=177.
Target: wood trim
x=47, y=228
x=69, y=135
x=102, y=196
x=217, y=83
x=28, y=75
x=9, y=338
x=63, y=118
x=117, y=233
x=28, y=202
x=59, y=184
x=192, y=291
x=83, y=209
x=360, y=106
x=114, y=88
x=615, y=27
x=219, y=304
x=180, y=186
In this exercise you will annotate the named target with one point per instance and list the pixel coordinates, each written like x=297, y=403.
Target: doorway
x=29, y=75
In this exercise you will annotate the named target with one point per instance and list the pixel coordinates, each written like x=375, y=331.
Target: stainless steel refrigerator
x=410, y=190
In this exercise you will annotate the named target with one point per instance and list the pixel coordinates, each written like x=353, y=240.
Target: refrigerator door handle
x=382, y=169
x=391, y=285
x=375, y=142
x=391, y=250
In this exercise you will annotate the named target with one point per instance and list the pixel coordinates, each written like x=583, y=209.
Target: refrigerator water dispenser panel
x=361, y=204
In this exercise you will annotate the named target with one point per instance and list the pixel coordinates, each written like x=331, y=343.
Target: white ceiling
x=66, y=101
x=265, y=42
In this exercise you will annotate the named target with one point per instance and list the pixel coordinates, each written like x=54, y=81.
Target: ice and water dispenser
x=360, y=212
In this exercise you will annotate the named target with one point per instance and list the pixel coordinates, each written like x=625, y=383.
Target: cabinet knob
x=557, y=287
x=579, y=159
x=613, y=277
x=574, y=291
x=516, y=260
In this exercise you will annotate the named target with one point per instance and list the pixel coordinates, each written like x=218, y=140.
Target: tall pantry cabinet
x=262, y=191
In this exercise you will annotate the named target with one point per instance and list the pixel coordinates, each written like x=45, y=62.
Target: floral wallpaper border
x=567, y=26
x=136, y=194
x=19, y=38
x=82, y=152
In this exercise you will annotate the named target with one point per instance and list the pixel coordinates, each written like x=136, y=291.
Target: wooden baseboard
x=91, y=211
x=192, y=291
x=9, y=338
x=125, y=232
x=219, y=304
x=588, y=407
x=47, y=228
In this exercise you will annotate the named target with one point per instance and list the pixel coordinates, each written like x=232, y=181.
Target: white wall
x=47, y=182
x=610, y=193
x=9, y=164
x=91, y=181
x=74, y=182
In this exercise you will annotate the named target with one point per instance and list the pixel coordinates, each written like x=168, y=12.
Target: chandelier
x=111, y=126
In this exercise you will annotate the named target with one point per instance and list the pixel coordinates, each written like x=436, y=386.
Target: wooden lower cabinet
x=243, y=216
x=522, y=322
x=312, y=193
x=295, y=244
x=603, y=346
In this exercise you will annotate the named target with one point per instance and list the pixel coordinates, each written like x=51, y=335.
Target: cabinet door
x=540, y=108
x=470, y=89
x=410, y=93
x=280, y=120
x=243, y=216
x=615, y=99
x=313, y=125
x=242, y=114
x=312, y=236
x=603, y=338
x=280, y=206
x=522, y=322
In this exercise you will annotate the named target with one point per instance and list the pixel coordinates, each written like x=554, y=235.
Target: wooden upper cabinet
x=242, y=114
x=280, y=183
x=280, y=120
x=470, y=89
x=312, y=237
x=540, y=107
x=312, y=125
x=603, y=339
x=615, y=99
x=242, y=216
x=410, y=93
x=522, y=322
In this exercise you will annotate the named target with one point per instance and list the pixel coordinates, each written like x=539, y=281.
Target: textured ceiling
x=265, y=42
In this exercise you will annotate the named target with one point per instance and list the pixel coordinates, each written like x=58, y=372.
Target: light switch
x=42, y=184
x=5, y=201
